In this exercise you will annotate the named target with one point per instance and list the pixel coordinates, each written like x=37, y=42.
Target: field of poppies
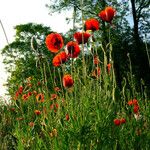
x=84, y=109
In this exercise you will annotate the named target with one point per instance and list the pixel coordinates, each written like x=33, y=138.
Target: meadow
x=77, y=104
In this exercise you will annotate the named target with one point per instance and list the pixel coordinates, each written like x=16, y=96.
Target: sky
x=15, y=12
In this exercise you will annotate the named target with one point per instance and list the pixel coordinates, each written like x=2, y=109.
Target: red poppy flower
x=108, y=68
x=31, y=124
x=136, y=109
x=37, y=112
x=54, y=42
x=20, y=90
x=17, y=94
x=40, y=97
x=67, y=81
x=25, y=97
x=53, y=96
x=96, y=60
x=133, y=102
x=51, y=106
x=57, y=105
x=73, y=49
x=92, y=24
x=117, y=122
x=130, y=102
x=59, y=59
x=122, y=120
x=57, y=89
x=81, y=37
x=67, y=117
x=107, y=14
x=96, y=73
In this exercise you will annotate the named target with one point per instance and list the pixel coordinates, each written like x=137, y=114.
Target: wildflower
x=40, y=97
x=39, y=83
x=136, y=109
x=122, y=120
x=54, y=42
x=96, y=73
x=37, y=112
x=17, y=94
x=117, y=122
x=68, y=81
x=51, y=106
x=25, y=97
x=60, y=59
x=67, y=117
x=53, y=96
x=133, y=102
x=107, y=14
x=96, y=60
x=92, y=24
x=81, y=37
x=57, y=89
x=31, y=124
x=20, y=90
x=29, y=94
x=57, y=105
x=108, y=68
x=130, y=102
x=73, y=49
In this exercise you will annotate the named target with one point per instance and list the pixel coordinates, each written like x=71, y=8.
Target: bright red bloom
x=96, y=73
x=133, y=102
x=122, y=120
x=108, y=68
x=40, y=97
x=20, y=90
x=57, y=89
x=92, y=24
x=73, y=49
x=51, y=106
x=117, y=122
x=81, y=37
x=57, y=105
x=59, y=59
x=53, y=96
x=130, y=102
x=107, y=14
x=96, y=60
x=68, y=81
x=136, y=109
x=29, y=93
x=25, y=97
x=31, y=124
x=37, y=112
x=17, y=94
x=54, y=42
x=67, y=117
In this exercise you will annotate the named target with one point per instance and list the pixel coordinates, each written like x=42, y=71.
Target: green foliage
x=82, y=116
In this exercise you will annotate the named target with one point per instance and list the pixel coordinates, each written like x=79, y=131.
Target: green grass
x=92, y=105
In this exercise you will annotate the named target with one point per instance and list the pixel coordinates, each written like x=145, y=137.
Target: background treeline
x=130, y=41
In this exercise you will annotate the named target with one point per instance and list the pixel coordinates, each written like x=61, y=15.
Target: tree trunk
x=136, y=24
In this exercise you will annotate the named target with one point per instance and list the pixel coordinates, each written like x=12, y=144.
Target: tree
x=21, y=58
